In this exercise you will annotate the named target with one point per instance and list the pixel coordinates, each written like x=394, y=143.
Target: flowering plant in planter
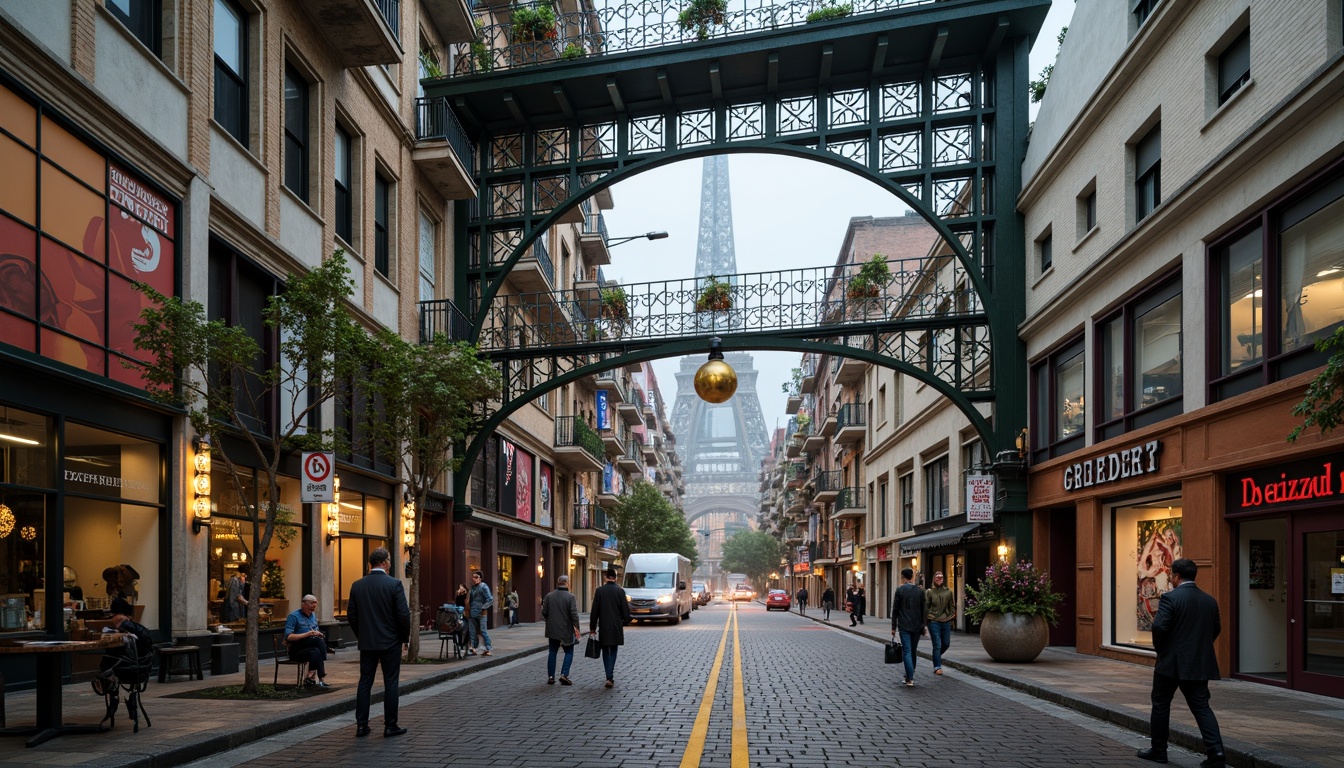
x=533, y=24
x=715, y=297
x=872, y=277
x=614, y=306
x=699, y=14
x=1017, y=588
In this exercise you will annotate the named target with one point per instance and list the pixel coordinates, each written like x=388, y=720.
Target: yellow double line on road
x=695, y=748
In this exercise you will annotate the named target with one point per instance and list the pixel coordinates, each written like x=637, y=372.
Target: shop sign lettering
x=90, y=478
x=1285, y=489
x=1114, y=466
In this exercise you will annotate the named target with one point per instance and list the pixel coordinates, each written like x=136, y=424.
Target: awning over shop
x=938, y=538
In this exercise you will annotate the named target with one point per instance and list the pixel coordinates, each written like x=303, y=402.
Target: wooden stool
x=169, y=667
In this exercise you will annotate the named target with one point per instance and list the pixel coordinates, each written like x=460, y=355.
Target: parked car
x=700, y=591
x=778, y=598
x=743, y=592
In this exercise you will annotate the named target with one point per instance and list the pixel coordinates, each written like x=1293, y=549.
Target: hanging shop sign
x=1112, y=467
x=979, y=498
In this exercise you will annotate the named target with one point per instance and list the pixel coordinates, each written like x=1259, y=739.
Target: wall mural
x=1159, y=546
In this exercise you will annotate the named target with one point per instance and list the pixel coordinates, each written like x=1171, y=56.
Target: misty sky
x=787, y=213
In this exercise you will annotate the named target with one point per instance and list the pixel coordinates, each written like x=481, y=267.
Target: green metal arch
x=683, y=348
x=973, y=270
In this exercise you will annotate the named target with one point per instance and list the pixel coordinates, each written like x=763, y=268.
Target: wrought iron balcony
x=825, y=552
x=849, y=423
x=590, y=522
x=850, y=502
x=633, y=458
x=613, y=26
x=577, y=446
x=796, y=474
x=631, y=406
x=614, y=436
x=443, y=316
x=827, y=485
x=809, y=370
x=593, y=237
x=536, y=273
x=443, y=151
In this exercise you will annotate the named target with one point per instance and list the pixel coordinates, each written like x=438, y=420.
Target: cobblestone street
x=814, y=696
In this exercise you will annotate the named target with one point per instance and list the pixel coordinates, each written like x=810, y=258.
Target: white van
x=658, y=586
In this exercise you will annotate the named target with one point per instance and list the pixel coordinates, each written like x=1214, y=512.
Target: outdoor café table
x=48, y=683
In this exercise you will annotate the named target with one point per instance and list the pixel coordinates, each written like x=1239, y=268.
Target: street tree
x=645, y=521
x=1322, y=405
x=263, y=406
x=428, y=399
x=755, y=553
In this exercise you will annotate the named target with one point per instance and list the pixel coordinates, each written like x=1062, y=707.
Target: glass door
x=1318, y=623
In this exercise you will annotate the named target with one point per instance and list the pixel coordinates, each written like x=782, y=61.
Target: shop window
x=1148, y=173
x=1281, y=290
x=1058, y=402
x=1145, y=538
x=1140, y=362
x=232, y=101
x=365, y=526
x=937, y=499
x=232, y=551
x=907, y=484
x=344, y=186
x=142, y=18
x=1234, y=66
x=297, y=138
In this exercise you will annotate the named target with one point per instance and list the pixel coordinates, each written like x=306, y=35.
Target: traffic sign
x=318, y=481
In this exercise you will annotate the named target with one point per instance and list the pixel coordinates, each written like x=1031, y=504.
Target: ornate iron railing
x=849, y=415
x=851, y=498
x=825, y=550
x=574, y=431
x=435, y=120
x=391, y=10
x=443, y=316
x=828, y=481
x=591, y=517
x=617, y=26
x=543, y=256
x=921, y=292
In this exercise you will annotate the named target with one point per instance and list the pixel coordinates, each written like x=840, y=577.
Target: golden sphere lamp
x=716, y=381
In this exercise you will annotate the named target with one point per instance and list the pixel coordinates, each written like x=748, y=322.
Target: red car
x=778, y=598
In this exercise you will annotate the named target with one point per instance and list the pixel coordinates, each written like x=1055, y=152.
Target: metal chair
x=281, y=649
x=129, y=673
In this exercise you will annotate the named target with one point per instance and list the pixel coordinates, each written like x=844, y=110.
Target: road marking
x=695, y=746
x=739, y=705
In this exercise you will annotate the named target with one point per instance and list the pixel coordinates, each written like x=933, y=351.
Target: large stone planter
x=1013, y=638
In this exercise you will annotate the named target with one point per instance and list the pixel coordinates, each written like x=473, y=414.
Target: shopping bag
x=592, y=650
x=894, y=653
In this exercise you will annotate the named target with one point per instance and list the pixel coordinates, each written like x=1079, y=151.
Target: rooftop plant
x=830, y=12
x=700, y=14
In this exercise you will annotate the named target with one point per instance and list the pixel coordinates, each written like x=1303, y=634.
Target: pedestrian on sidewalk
x=1184, y=629
x=305, y=641
x=860, y=603
x=607, y=619
x=851, y=604
x=380, y=617
x=560, y=612
x=828, y=602
x=511, y=605
x=907, y=618
x=802, y=600
x=479, y=602
x=942, y=609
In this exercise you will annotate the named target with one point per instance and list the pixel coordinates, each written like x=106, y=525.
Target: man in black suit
x=607, y=619
x=381, y=619
x=1186, y=625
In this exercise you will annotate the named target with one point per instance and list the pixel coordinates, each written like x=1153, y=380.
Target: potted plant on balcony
x=614, y=307
x=1013, y=604
x=533, y=24
x=716, y=296
x=829, y=12
x=572, y=51
x=872, y=277
x=699, y=14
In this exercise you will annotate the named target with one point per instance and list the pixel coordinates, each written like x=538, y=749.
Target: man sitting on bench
x=307, y=643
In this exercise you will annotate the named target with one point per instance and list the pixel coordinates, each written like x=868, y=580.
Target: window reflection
x=1312, y=277
x=1069, y=396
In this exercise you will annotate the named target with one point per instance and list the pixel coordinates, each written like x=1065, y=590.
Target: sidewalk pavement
x=1262, y=726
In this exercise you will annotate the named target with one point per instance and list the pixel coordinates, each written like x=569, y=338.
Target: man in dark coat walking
x=560, y=612
x=607, y=619
x=907, y=620
x=381, y=620
x=1184, y=629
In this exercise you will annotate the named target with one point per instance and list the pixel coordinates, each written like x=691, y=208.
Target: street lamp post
x=612, y=242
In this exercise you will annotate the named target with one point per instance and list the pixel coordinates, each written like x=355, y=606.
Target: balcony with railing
x=615, y=436
x=535, y=272
x=793, y=534
x=825, y=552
x=443, y=316
x=617, y=26
x=849, y=423
x=826, y=485
x=633, y=458
x=361, y=32
x=848, y=370
x=577, y=446
x=795, y=474
x=809, y=379
x=631, y=406
x=442, y=150
x=593, y=237
x=590, y=522
x=850, y=502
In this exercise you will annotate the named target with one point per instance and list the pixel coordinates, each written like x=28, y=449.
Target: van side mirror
x=681, y=585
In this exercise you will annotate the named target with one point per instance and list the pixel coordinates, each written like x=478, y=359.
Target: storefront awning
x=937, y=538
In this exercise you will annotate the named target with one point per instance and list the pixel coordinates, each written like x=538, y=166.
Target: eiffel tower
x=722, y=444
